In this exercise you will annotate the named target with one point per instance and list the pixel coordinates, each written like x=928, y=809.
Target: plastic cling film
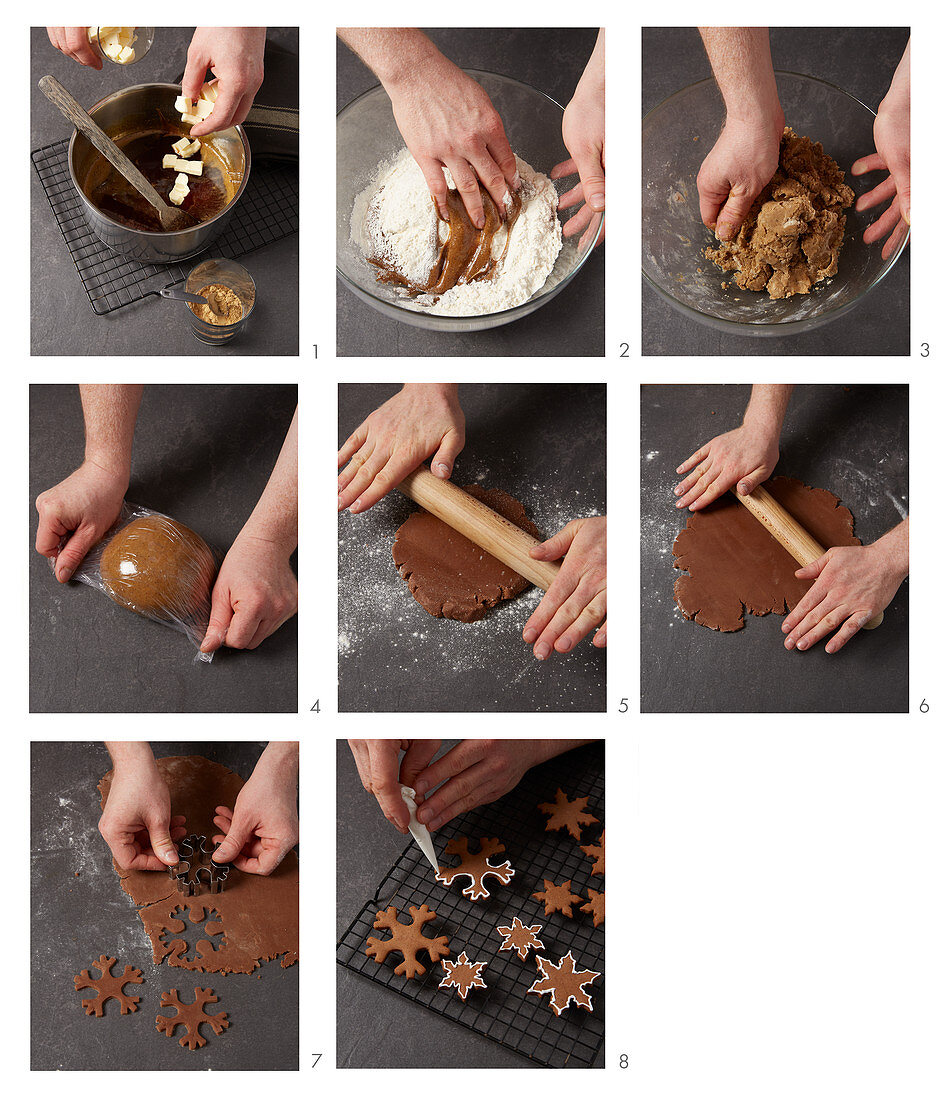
x=155, y=566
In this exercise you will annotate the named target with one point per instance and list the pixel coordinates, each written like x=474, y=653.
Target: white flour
x=394, y=219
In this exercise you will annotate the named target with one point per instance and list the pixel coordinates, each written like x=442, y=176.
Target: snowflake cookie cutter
x=193, y=872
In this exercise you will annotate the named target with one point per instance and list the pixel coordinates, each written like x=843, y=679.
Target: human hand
x=419, y=421
x=236, y=56
x=73, y=42
x=852, y=585
x=744, y=458
x=82, y=507
x=736, y=169
x=891, y=141
x=255, y=592
x=382, y=774
x=447, y=120
x=891, y=138
x=473, y=773
x=136, y=823
x=584, y=137
x=263, y=827
x=576, y=601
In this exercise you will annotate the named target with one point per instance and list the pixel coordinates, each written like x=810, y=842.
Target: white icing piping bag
x=419, y=832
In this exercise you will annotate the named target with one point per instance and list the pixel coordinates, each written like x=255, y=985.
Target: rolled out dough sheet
x=731, y=562
x=450, y=576
x=259, y=914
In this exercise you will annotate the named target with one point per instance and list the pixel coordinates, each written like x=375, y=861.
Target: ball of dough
x=160, y=569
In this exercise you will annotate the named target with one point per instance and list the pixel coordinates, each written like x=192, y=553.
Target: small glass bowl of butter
x=225, y=280
x=121, y=45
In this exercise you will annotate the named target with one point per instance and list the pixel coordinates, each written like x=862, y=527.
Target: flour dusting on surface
x=379, y=617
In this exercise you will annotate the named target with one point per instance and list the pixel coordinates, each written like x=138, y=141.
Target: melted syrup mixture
x=466, y=256
x=114, y=196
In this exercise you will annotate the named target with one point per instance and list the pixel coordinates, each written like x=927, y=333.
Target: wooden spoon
x=171, y=218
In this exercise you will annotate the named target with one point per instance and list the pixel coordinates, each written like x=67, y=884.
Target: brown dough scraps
x=407, y=939
x=557, y=899
x=474, y=865
x=450, y=576
x=177, y=949
x=191, y=1016
x=109, y=986
x=793, y=234
x=258, y=914
x=566, y=814
x=731, y=561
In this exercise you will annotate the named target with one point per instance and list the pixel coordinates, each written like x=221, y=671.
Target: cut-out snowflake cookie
x=191, y=1016
x=564, y=983
x=596, y=852
x=475, y=866
x=567, y=814
x=108, y=986
x=520, y=937
x=595, y=905
x=557, y=899
x=463, y=974
x=407, y=939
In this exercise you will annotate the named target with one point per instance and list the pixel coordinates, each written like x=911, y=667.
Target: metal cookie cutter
x=196, y=868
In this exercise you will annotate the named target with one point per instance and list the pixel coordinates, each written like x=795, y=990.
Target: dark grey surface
x=153, y=326
x=853, y=440
x=203, y=455
x=372, y=1019
x=545, y=445
x=859, y=60
x=552, y=61
x=79, y=912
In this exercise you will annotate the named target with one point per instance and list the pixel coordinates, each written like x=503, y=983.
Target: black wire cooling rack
x=267, y=212
x=504, y=1011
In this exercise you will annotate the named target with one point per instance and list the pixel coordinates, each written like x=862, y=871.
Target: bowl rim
x=158, y=234
x=776, y=327
x=388, y=302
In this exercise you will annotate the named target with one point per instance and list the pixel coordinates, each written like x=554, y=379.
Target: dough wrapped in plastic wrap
x=157, y=567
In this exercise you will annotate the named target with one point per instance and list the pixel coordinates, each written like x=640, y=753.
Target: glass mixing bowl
x=676, y=136
x=367, y=135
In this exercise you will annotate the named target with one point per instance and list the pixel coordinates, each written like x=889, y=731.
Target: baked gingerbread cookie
x=595, y=906
x=475, y=866
x=407, y=939
x=596, y=852
x=568, y=814
x=520, y=937
x=557, y=899
x=463, y=975
x=564, y=983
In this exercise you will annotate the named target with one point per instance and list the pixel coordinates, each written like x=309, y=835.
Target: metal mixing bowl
x=367, y=135
x=675, y=138
x=129, y=110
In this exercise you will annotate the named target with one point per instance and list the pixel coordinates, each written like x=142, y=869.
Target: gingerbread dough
x=731, y=561
x=450, y=576
x=160, y=569
x=258, y=915
x=793, y=234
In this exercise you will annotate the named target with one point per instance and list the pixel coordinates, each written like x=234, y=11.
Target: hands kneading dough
x=793, y=234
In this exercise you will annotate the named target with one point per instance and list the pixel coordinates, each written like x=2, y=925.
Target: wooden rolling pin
x=784, y=529
x=482, y=525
